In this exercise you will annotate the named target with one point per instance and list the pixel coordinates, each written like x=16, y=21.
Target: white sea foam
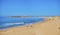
x=8, y=24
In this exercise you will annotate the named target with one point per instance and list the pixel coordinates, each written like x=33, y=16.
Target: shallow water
x=11, y=22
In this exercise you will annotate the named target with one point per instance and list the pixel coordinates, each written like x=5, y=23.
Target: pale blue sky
x=30, y=7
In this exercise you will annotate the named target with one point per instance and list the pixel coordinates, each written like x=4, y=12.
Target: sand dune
x=51, y=26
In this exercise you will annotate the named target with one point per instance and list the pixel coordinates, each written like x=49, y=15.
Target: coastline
x=48, y=27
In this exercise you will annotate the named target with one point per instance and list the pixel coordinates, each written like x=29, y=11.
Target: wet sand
x=51, y=26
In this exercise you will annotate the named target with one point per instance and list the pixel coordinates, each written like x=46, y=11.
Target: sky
x=29, y=7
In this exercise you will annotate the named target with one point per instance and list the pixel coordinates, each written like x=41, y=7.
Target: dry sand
x=51, y=26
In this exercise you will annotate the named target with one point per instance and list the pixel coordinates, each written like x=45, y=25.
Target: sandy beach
x=51, y=26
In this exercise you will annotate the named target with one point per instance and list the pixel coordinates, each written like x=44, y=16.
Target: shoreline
x=49, y=27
